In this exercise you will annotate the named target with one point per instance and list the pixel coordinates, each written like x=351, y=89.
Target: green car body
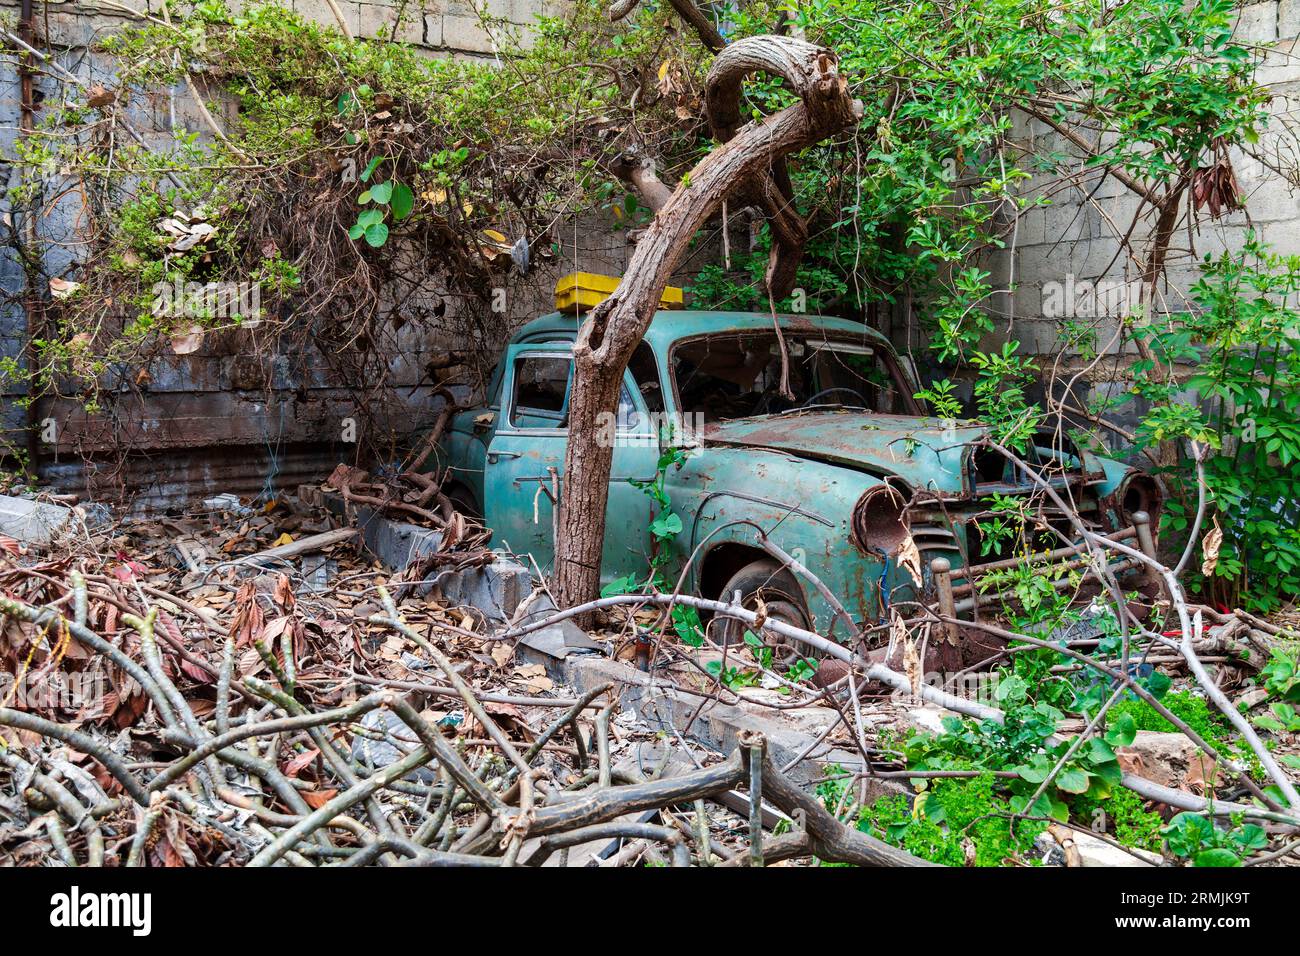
x=800, y=474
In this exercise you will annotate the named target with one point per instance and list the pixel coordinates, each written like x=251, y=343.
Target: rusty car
x=845, y=472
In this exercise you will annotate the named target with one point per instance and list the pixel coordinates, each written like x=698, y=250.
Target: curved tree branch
x=688, y=11
x=613, y=329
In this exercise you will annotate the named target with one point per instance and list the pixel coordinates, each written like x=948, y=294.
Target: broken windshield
x=739, y=376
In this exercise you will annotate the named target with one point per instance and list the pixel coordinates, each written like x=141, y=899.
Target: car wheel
x=777, y=589
x=462, y=499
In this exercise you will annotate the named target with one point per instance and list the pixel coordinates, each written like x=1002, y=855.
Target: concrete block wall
x=1074, y=243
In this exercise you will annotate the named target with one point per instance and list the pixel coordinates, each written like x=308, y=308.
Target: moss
x=1124, y=816
x=952, y=815
x=1190, y=708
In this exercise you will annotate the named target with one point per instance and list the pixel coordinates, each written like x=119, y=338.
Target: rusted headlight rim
x=1139, y=491
x=879, y=522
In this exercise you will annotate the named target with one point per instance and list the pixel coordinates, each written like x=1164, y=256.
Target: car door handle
x=495, y=456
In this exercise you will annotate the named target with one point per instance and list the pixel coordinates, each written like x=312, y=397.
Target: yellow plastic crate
x=579, y=291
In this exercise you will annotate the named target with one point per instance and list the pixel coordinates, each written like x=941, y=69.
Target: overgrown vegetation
x=359, y=187
x=347, y=163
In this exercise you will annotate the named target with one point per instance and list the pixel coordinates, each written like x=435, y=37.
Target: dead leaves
x=1215, y=187
x=99, y=96
x=532, y=677
x=1210, y=546
x=909, y=557
x=186, y=231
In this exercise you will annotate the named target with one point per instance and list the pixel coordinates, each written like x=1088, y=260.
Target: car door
x=524, y=470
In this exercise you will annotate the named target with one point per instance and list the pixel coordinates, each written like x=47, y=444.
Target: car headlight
x=880, y=523
x=1139, y=492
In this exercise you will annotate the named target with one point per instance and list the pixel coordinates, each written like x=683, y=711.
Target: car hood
x=927, y=453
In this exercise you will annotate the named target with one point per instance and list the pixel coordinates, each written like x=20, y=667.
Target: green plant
x=1195, y=837
x=1241, y=342
x=664, y=526
x=956, y=822
x=1283, y=719
x=1125, y=816
x=1193, y=709
x=1280, y=675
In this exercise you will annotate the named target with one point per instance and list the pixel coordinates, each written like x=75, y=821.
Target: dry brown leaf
x=301, y=762
x=909, y=557
x=502, y=653
x=183, y=343
x=1210, y=546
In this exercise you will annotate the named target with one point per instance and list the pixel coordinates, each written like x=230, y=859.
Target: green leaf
x=403, y=201
x=376, y=234
x=1122, y=732
x=1012, y=688
x=382, y=192
x=370, y=168
x=1100, y=752
x=1158, y=684
x=355, y=231
x=1072, y=780
x=1036, y=770
x=1110, y=772
x=666, y=525
x=623, y=585
x=1268, y=723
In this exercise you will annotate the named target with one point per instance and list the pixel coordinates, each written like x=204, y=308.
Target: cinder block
x=526, y=12
x=1270, y=200
x=381, y=21
x=1279, y=64
x=1288, y=18
x=496, y=589
x=465, y=34
x=1284, y=237
x=433, y=29
x=318, y=11
x=32, y=522
x=1257, y=23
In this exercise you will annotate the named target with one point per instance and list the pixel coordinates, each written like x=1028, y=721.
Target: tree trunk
x=752, y=159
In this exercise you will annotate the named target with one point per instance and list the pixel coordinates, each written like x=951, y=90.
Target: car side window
x=627, y=416
x=541, y=391
x=645, y=373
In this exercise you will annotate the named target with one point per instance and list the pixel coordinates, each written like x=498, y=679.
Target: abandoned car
x=845, y=472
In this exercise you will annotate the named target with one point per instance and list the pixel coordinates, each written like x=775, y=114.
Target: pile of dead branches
x=183, y=786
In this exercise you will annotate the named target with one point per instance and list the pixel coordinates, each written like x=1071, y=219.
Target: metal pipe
x=980, y=600
x=941, y=568
x=1082, y=560
x=1005, y=563
x=1142, y=525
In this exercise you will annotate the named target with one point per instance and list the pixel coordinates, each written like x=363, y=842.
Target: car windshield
x=739, y=376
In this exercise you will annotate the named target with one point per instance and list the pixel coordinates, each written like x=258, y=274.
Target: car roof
x=670, y=326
